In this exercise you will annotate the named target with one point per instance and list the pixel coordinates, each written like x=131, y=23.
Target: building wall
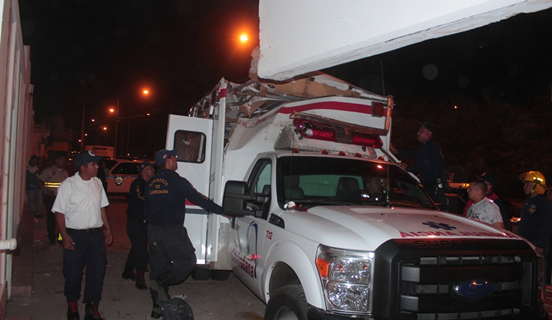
x=15, y=130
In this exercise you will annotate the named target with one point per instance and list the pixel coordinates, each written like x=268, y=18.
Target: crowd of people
x=75, y=202
x=483, y=205
x=76, y=218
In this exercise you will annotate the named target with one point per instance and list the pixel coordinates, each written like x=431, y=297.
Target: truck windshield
x=311, y=181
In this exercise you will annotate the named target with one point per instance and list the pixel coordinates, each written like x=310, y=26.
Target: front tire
x=287, y=303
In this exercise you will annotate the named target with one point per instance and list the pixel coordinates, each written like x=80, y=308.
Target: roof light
x=325, y=151
x=295, y=150
x=369, y=140
x=312, y=130
x=358, y=155
x=342, y=153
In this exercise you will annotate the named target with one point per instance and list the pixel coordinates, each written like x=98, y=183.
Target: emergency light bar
x=312, y=129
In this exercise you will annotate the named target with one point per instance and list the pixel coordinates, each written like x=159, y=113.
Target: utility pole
x=116, y=126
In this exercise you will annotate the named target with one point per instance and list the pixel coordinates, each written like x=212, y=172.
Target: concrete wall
x=297, y=37
x=15, y=132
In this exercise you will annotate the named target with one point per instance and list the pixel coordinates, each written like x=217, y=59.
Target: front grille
x=454, y=279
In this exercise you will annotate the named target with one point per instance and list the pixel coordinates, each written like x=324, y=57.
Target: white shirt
x=485, y=211
x=81, y=202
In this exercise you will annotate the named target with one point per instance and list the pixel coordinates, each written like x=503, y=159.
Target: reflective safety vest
x=52, y=184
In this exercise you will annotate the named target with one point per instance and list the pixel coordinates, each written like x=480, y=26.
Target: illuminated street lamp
x=105, y=130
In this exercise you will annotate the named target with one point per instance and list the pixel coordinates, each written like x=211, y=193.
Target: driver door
x=250, y=231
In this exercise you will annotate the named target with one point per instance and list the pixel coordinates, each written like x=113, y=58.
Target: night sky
x=94, y=52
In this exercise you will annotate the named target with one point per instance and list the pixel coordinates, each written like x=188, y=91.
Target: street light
x=105, y=130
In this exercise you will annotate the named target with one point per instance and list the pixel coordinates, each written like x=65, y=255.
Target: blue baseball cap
x=85, y=157
x=162, y=155
x=143, y=165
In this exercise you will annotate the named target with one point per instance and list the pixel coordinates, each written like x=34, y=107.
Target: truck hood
x=365, y=228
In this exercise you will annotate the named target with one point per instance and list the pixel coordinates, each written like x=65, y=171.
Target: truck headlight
x=346, y=278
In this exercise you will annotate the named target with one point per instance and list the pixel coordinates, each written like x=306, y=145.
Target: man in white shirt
x=80, y=213
x=483, y=209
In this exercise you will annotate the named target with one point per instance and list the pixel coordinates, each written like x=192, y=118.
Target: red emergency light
x=315, y=130
x=369, y=140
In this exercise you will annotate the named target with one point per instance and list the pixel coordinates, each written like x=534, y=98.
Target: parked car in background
x=121, y=174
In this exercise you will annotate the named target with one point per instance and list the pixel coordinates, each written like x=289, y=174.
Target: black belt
x=83, y=230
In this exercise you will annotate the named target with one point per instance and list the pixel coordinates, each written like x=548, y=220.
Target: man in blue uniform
x=536, y=214
x=136, y=227
x=172, y=255
x=429, y=163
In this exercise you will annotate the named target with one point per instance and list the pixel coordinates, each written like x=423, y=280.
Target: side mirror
x=235, y=199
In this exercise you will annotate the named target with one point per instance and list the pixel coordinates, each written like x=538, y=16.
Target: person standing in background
x=535, y=223
x=483, y=209
x=490, y=181
x=49, y=181
x=32, y=189
x=429, y=163
x=137, y=229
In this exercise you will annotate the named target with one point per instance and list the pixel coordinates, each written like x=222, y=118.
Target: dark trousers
x=548, y=261
x=138, y=235
x=50, y=218
x=90, y=252
x=170, y=250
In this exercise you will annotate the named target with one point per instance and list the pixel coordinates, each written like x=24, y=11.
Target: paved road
x=210, y=300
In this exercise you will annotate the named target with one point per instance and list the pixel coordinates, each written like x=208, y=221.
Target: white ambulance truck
x=325, y=224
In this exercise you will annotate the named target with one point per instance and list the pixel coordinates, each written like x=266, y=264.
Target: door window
x=190, y=146
x=260, y=182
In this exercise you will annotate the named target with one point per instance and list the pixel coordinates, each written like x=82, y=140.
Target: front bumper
x=316, y=314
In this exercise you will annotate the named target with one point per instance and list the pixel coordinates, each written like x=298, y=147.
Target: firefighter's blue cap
x=163, y=155
x=143, y=165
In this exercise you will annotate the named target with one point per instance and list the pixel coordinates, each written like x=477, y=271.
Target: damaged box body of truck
x=325, y=224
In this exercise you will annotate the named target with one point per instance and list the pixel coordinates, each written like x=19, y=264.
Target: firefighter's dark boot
x=161, y=285
x=129, y=273
x=91, y=311
x=156, y=311
x=159, y=289
x=73, y=310
x=140, y=280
